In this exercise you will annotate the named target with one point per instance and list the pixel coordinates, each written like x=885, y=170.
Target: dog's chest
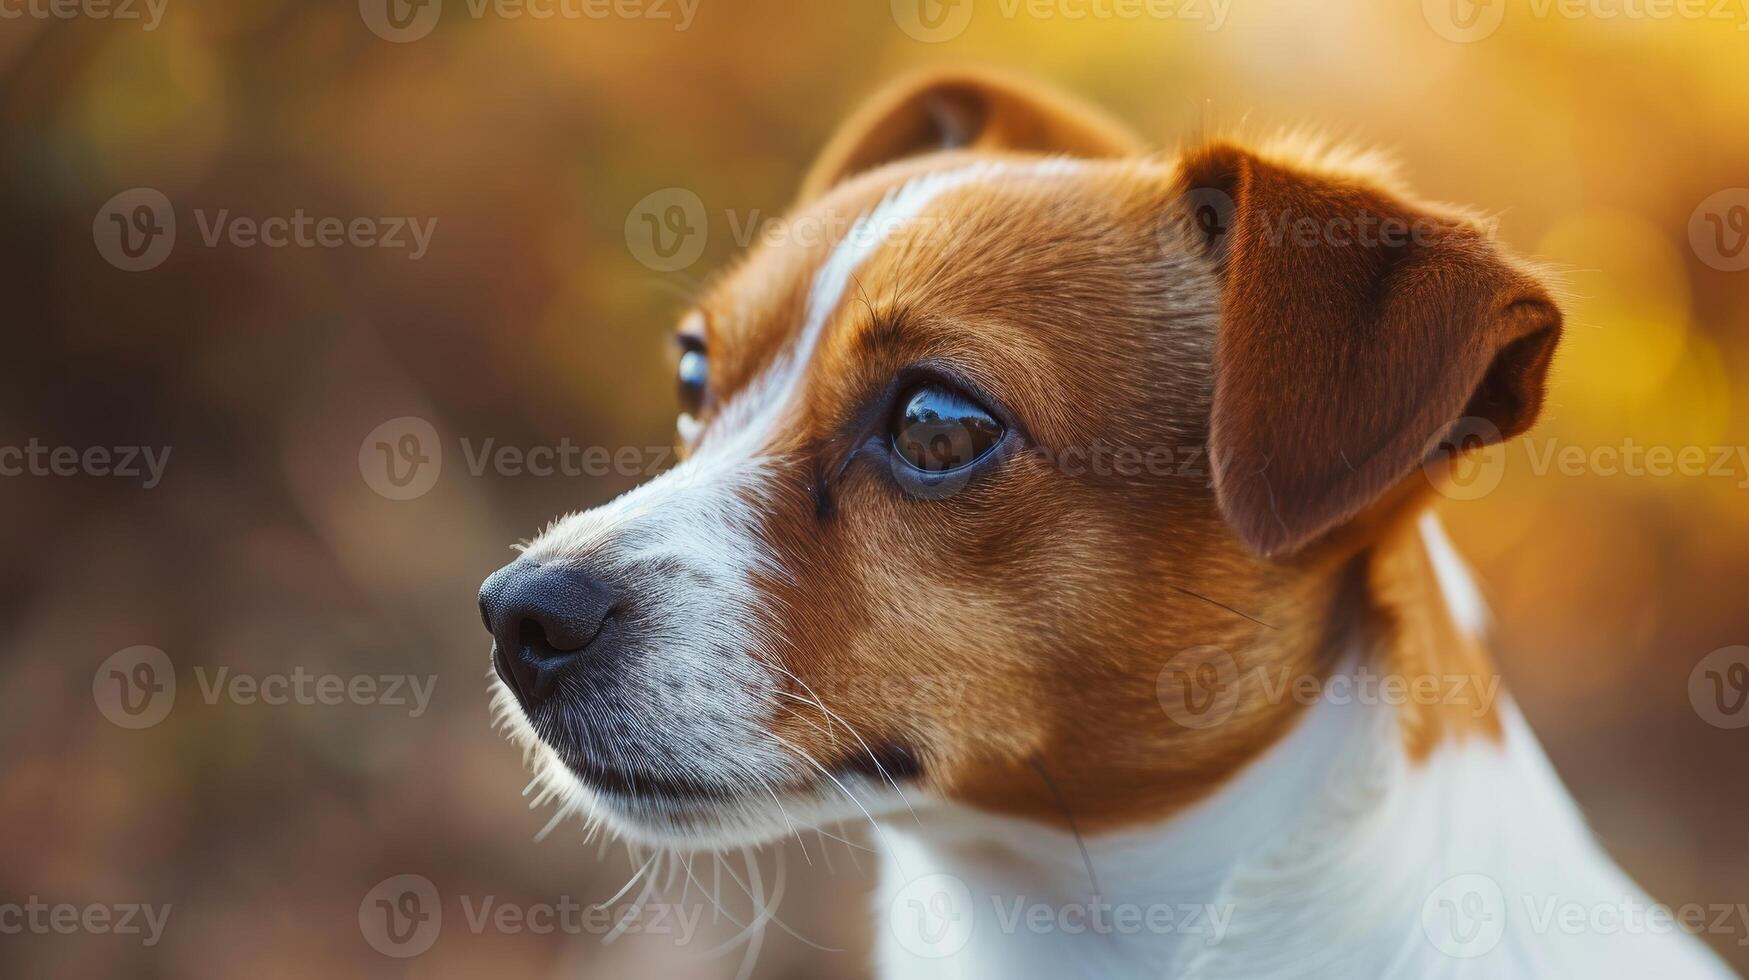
x=1333, y=856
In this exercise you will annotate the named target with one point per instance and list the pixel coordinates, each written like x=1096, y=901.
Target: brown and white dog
x=1058, y=506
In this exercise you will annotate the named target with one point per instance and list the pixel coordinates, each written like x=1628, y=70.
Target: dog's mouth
x=651, y=777
x=888, y=763
x=677, y=808
x=645, y=784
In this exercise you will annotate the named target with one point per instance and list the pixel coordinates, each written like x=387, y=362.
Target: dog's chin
x=664, y=810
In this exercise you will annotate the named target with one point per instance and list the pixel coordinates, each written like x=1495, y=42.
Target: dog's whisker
x=825, y=852
x=721, y=913
x=756, y=940
x=833, y=715
x=638, y=903
x=810, y=760
x=673, y=871
x=765, y=906
x=787, y=822
x=557, y=818
x=850, y=848
x=634, y=878
x=842, y=840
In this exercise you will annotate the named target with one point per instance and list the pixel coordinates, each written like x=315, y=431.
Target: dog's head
x=1021, y=417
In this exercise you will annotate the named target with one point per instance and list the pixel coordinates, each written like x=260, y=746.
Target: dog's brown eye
x=694, y=374
x=938, y=430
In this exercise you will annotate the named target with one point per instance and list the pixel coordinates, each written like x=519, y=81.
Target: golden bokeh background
x=1613, y=148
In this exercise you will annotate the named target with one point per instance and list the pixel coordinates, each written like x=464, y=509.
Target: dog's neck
x=1347, y=849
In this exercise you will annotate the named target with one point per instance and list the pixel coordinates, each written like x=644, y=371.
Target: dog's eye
x=693, y=375
x=938, y=429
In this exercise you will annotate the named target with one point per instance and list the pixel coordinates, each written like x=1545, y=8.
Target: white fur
x=1462, y=595
x=1334, y=855
x=1330, y=856
x=706, y=682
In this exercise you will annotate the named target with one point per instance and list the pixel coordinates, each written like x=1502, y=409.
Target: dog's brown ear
x=964, y=109
x=1358, y=332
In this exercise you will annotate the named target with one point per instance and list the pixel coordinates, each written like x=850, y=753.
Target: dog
x=1055, y=508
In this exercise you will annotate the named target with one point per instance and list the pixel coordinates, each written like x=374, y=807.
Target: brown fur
x=1025, y=620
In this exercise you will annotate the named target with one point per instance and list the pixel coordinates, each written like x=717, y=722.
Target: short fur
x=1005, y=654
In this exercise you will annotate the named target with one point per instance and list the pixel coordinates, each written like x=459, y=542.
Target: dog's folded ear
x=964, y=109
x=1360, y=337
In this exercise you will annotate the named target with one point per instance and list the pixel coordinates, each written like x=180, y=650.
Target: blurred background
x=540, y=155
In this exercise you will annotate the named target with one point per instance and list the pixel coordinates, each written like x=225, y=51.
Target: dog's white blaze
x=703, y=519
x=899, y=210
x=1462, y=595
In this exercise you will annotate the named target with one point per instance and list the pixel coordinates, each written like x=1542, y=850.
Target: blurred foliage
x=529, y=320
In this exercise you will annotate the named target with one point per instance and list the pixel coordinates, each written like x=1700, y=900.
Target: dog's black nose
x=541, y=617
